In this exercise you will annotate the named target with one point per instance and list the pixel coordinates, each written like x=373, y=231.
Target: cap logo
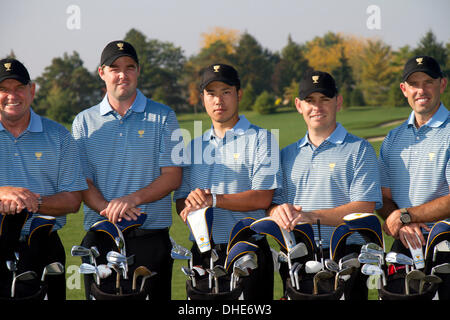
x=315, y=79
x=7, y=66
x=216, y=68
x=120, y=45
x=419, y=61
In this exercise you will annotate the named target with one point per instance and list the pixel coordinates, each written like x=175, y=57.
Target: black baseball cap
x=13, y=69
x=423, y=64
x=317, y=81
x=219, y=72
x=117, y=49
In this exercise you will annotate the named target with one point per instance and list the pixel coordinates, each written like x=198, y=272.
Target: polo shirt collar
x=138, y=104
x=239, y=128
x=35, y=124
x=336, y=137
x=436, y=120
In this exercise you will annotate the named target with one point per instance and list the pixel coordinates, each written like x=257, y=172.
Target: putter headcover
x=125, y=225
x=238, y=250
x=240, y=232
x=200, y=224
x=303, y=232
x=269, y=227
x=439, y=232
x=110, y=229
x=41, y=224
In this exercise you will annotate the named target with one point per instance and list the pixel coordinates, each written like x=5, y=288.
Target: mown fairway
x=362, y=121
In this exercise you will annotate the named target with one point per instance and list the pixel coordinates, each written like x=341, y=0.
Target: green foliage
x=396, y=97
x=248, y=98
x=357, y=98
x=265, y=103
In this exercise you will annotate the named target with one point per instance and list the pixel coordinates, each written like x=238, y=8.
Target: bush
x=248, y=98
x=357, y=98
x=265, y=103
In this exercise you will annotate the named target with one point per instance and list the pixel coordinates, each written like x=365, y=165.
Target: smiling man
x=328, y=173
x=125, y=146
x=41, y=172
x=237, y=174
x=415, y=159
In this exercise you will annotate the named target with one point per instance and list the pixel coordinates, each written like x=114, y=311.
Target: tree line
x=367, y=71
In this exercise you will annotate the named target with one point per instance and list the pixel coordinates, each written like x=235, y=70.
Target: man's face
x=120, y=78
x=319, y=111
x=423, y=93
x=15, y=99
x=221, y=102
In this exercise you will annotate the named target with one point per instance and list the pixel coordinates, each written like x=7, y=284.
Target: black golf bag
x=106, y=236
x=434, y=258
x=23, y=259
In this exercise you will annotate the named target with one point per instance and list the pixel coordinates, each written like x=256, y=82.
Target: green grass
x=361, y=121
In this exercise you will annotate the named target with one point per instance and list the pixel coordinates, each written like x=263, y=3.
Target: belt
x=137, y=232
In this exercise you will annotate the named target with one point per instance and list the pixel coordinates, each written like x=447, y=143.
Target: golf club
x=412, y=275
x=399, y=258
x=431, y=278
x=143, y=272
x=371, y=269
x=53, y=269
x=27, y=275
x=86, y=268
x=321, y=275
x=443, y=246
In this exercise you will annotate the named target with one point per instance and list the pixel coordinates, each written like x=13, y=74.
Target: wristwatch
x=405, y=217
x=39, y=202
x=214, y=200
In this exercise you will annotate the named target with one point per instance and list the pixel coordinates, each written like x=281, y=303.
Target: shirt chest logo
x=431, y=156
x=332, y=165
x=38, y=155
x=141, y=133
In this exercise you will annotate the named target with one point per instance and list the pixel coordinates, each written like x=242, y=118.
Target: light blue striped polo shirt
x=415, y=163
x=43, y=159
x=342, y=169
x=247, y=158
x=124, y=154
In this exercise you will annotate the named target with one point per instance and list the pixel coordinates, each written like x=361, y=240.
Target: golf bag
x=26, y=258
x=402, y=284
x=108, y=241
x=235, y=268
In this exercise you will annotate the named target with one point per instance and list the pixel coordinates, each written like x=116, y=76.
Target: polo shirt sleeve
x=80, y=138
x=169, y=145
x=383, y=164
x=70, y=177
x=365, y=185
x=185, y=187
x=267, y=173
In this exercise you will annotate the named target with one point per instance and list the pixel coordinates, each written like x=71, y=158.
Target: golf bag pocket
x=98, y=294
x=325, y=289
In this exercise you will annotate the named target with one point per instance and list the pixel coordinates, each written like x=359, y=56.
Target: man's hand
x=286, y=215
x=14, y=199
x=199, y=198
x=123, y=207
x=413, y=234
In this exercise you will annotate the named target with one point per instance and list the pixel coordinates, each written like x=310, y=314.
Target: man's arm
x=125, y=207
x=287, y=215
x=249, y=200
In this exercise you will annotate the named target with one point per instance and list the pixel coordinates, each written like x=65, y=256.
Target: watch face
x=405, y=218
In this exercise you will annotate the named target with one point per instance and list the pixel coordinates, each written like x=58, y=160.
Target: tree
x=56, y=102
x=291, y=66
x=229, y=37
x=248, y=98
x=343, y=76
x=291, y=92
x=357, y=98
x=254, y=64
x=69, y=75
x=265, y=103
x=429, y=46
x=377, y=73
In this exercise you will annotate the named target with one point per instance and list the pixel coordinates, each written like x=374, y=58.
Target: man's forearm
x=61, y=203
x=434, y=210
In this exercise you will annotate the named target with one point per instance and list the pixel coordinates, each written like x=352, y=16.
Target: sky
x=39, y=30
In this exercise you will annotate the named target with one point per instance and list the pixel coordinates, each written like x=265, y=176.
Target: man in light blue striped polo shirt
x=125, y=145
x=41, y=170
x=415, y=159
x=327, y=174
x=234, y=168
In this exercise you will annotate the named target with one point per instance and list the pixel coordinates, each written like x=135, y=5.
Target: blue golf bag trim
x=304, y=232
x=124, y=225
x=109, y=228
x=440, y=230
x=269, y=227
x=239, y=249
x=240, y=231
